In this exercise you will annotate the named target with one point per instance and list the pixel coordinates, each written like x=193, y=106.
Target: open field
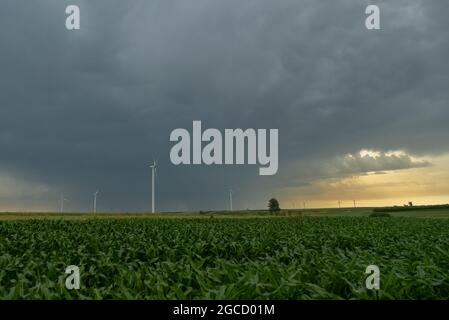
x=422, y=212
x=224, y=257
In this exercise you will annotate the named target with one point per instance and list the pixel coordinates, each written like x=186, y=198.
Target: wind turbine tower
x=153, y=176
x=230, y=199
x=62, y=202
x=95, y=201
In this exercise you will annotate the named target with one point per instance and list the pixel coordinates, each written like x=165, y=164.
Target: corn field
x=270, y=258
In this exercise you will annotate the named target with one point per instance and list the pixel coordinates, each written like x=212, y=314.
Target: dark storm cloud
x=89, y=109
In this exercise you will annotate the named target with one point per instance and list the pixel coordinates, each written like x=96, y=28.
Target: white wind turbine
x=95, y=200
x=230, y=198
x=62, y=202
x=153, y=177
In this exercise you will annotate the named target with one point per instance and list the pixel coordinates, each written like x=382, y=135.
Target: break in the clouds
x=375, y=161
x=88, y=109
x=361, y=163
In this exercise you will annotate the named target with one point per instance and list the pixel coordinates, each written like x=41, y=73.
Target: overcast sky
x=88, y=109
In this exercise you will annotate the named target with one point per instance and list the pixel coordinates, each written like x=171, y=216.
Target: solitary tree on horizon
x=273, y=205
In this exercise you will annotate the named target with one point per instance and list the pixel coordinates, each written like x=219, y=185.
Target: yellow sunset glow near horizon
x=422, y=186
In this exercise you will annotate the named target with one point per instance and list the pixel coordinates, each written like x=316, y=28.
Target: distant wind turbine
x=62, y=202
x=230, y=199
x=95, y=200
x=153, y=176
